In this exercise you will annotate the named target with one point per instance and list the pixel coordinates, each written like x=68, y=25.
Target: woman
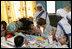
x=41, y=13
x=4, y=31
x=63, y=27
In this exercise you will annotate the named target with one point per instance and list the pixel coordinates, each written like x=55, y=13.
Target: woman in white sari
x=41, y=13
x=63, y=27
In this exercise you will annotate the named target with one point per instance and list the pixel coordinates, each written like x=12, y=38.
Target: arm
x=47, y=19
x=59, y=32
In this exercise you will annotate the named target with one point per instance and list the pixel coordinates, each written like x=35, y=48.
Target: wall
x=61, y=4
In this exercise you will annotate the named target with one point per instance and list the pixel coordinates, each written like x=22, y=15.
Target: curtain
x=15, y=10
x=4, y=14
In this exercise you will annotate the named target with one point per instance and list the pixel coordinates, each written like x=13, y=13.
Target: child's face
x=63, y=40
x=2, y=27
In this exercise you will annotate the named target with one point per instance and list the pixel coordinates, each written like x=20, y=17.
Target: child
x=3, y=28
x=46, y=28
x=62, y=42
x=20, y=41
x=4, y=31
x=33, y=30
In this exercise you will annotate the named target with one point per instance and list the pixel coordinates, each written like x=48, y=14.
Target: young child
x=4, y=31
x=3, y=27
x=33, y=30
x=20, y=41
x=46, y=28
x=62, y=42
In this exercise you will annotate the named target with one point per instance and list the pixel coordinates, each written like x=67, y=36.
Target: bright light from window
x=51, y=6
x=16, y=8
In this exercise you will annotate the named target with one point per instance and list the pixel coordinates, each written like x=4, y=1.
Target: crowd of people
x=40, y=26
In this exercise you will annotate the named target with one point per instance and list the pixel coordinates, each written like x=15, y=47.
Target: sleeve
x=47, y=19
x=59, y=32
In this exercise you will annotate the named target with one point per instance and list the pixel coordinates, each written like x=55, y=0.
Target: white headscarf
x=69, y=16
x=39, y=4
x=61, y=13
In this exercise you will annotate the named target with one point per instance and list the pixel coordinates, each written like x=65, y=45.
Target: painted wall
x=59, y=4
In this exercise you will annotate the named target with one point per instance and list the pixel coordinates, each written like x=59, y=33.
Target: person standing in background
x=63, y=27
x=41, y=13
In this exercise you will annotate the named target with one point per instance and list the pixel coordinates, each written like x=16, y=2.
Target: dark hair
x=41, y=21
x=26, y=23
x=18, y=40
x=66, y=37
x=31, y=22
x=4, y=24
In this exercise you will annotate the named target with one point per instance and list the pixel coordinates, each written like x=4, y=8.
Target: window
x=51, y=6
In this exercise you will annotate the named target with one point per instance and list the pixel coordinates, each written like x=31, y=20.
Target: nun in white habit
x=41, y=13
x=62, y=12
x=63, y=27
